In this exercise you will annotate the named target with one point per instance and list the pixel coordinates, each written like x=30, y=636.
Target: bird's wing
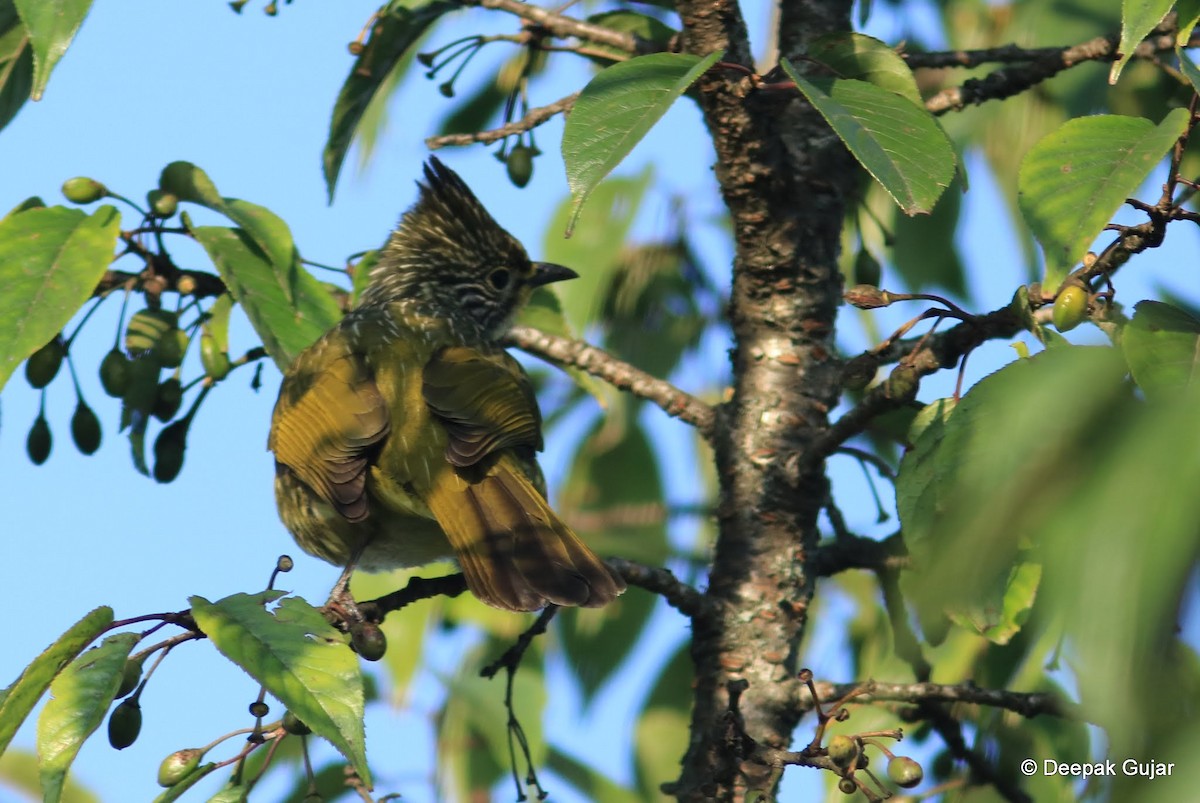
x=329, y=415
x=484, y=400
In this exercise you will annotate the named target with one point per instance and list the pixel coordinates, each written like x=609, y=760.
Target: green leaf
x=999, y=615
x=269, y=232
x=80, y=698
x=982, y=475
x=898, y=142
x=394, y=32
x=19, y=699
x=1138, y=18
x=18, y=771
x=50, y=261
x=1189, y=69
x=289, y=309
x=855, y=55
x=616, y=109
x=299, y=658
x=642, y=26
x=216, y=323
x=591, y=784
x=1188, y=14
x=1073, y=181
x=1162, y=347
x=16, y=63
x=600, y=234
x=52, y=25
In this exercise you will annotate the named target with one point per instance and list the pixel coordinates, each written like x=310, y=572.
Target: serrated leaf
x=80, y=698
x=269, y=232
x=300, y=659
x=286, y=327
x=1162, y=348
x=16, y=63
x=616, y=109
x=52, y=25
x=898, y=142
x=50, y=261
x=855, y=55
x=1138, y=19
x=1073, y=181
x=394, y=32
x=19, y=699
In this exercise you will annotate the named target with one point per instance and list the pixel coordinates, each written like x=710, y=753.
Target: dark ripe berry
x=168, y=399
x=162, y=203
x=293, y=725
x=169, y=447
x=170, y=348
x=85, y=428
x=520, y=165
x=259, y=709
x=368, y=641
x=83, y=190
x=42, y=366
x=114, y=373
x=124, y=724
x=904, y=772
x=179, y=765
x=39, y=441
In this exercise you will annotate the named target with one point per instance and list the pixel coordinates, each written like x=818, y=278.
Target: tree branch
x=562, y=26
x=621, y=375
x=856, y=552
x=533, y=119
x=1027, y=704
x=1034, y=65
x=678, y=594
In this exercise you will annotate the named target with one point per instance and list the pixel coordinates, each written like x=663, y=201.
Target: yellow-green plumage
x=406, y=434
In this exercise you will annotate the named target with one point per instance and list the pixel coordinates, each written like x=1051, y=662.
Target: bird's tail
x=514, y=550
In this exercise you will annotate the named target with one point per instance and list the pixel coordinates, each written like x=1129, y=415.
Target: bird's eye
x=498, y=278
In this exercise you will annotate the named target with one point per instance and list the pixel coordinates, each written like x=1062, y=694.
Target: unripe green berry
x=179, y=765
x=85, y=428
x=847, y=786
x=904, y=772
x=259, y=709
x=843, y=750
x=83, y=190
x=519, y=165
x=114, y=373
x=40, y=441
x=293, y=725
x=162, y=203
x=1070, y=308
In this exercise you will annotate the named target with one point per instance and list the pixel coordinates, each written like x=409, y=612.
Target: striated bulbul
x=406, y=434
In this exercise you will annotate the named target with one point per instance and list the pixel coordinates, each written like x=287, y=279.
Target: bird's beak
x=547, y=272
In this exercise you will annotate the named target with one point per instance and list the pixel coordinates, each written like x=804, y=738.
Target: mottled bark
x=785, y=179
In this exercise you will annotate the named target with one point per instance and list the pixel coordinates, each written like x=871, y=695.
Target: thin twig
x=678, y=594
x=619, y=374
x=532, y=119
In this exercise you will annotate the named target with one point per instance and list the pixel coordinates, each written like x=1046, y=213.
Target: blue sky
x=248, y=99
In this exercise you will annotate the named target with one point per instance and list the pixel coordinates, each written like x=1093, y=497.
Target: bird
x=407, y=434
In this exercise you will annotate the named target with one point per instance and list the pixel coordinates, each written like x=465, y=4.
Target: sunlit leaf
x=52, y=25
x=1138, y=19
x=80, y=698
x=300, y=659
x=1073, y=181
x=898, y=142
x=616, y=110
x=50, y=262
x=18, y=700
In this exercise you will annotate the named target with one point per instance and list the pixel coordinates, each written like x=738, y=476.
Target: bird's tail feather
x=514, y=550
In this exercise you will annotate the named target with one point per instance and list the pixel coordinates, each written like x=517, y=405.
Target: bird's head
x=453, y=259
